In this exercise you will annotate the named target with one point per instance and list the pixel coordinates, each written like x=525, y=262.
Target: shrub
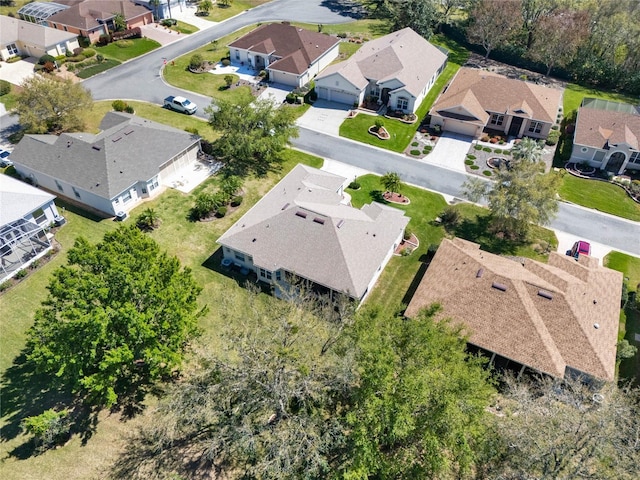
x=228, y=80
x=468, y=162
x=450, y=216
x=46, y=58
x=21, y=274
x=486, y=149
x=5, y=87
x=49, y=67
x=84, y=42
x=415, y=152
x=129, y=109
x=76, y=51
x=471, y=157
x=497, y=150
x=236, y=200
x=486, y=173
x=407, y=234
x=35, y=264
x=477, y=147
x=88, y=53
x=474, y=167
x=130, y=33
x=500, y=142
x=70, y=67
x=342, y=35
x=5, y=285
x=119, y=105
x=226, y=62
x=205, y=204
x=552, y=139
x=426, y=151
x=124, y=43
x=49, y=428
x=262, y=74
x=291, y=97
x=379, y=123
x=69, y=53
x=355, y=185
x=555, y=127
x=100, y=58
x=196, y=61
x=104, y=39
x=414, y=144
x=484, y=138
x=222, y=211
x=14, y=59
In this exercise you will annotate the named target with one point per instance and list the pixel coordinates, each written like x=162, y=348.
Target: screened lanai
x=38, y=12
x=20, y=244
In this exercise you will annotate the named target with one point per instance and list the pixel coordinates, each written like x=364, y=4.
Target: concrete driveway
x=324, y=117
x=450, y=151
x=276, y=92
x=16, y=72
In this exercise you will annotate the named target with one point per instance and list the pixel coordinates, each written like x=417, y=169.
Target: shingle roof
x=296, y=47
x=12, y=29
x=18, y=199
x=597, y=128
x=519, y=323
x=499, y=94
x=404, y=55
x=85, y=14
x=302, y=226
x=127, y=150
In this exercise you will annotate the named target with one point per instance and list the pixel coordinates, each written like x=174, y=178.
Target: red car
x=579, y=248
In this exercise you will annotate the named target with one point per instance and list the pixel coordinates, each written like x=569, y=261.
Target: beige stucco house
x=18, y=37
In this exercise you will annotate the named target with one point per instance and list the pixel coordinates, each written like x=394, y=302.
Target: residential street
x=140, y=79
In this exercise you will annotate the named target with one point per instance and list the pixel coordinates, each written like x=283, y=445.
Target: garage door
x=336, y=96
x=456, y=126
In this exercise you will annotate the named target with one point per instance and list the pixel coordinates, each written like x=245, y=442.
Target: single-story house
x=112, y=171
x=607, y=136
x=478, y=99
x=291, y=55
x=163, y=8
x=558, y=318
x=25, y=213
x=306, y=229
x=38, y=12
x=92, y=18
x=398, y=70
x=18, y=37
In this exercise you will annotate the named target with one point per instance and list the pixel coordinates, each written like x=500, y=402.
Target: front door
x=615, y=162
x=514, y=129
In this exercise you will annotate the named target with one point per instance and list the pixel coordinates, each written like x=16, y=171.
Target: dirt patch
x=393, y=197
x=407, y=247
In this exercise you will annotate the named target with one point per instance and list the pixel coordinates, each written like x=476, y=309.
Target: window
x=39, y=216
x=152, y=184
x=75, y=192
x=496, y=119
x=375, y=92
x=127, y=196
x=237, y=54
x=266, y=274
x=13, y=50
x=535, y=127
x=59, y=185
x=635, y=157
x=239, y=257
x=278, y=275
x=584, y=149
x=402, y=103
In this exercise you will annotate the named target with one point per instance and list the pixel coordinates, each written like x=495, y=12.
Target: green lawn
x=219, y=13
x=124, y=50
x=630, y=367
x=628, y=265
x=601, y=196
x=97, y=68
x=185, y=28
x=368, y=28
x=401, y=133
x=573, y=95
x=10, y=98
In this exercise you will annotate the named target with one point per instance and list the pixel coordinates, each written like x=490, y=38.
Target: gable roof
x=499, y=94
x=403, y=55
x=85, y=14
x=18, y=199
x=599, y=128
x=303, y=226
x=127, y=150
x=13, y=29
x=518, y=320
x=296, y=47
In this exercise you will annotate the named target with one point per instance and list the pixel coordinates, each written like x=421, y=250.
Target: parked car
x=579, y=248
x=4, y=158
x=180, y=104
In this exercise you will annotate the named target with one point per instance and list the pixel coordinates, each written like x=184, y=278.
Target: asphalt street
x=140, y=79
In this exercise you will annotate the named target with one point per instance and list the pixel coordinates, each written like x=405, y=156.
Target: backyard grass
x=629, y=369
x=193, y=243
x=367, y=28
x=601, y=196
x=401, y=133
x=573, y=95
x=628, y=265
x=124, y=50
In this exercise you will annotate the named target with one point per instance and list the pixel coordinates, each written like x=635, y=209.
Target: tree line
x=590, y=41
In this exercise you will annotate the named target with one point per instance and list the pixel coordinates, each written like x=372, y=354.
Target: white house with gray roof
x=18, y=37
x=112, y=171
x=25, y=213
x=305, y=228
x=398, y=70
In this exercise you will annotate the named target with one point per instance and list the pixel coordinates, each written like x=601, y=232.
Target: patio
x=189, y=177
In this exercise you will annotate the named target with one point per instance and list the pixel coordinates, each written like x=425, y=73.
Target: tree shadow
x=94, y=216
x=378, y=196
x=346, y=8
x=481, y=230
x=214, y=263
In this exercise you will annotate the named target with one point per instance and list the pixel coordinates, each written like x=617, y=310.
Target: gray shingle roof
x=127, y=150
x=12, y=29
x=18, y=199
x=302, y=226
x=546, y=334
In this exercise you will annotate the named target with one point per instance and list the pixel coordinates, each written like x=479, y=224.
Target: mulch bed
x=410, y=245
x=393, y=197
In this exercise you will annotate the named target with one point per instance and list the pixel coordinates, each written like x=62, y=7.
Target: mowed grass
x=628, y=265
x=601, y=196
x=219, y=12
x=194, y=244
x=124, y=50
x=573, y=95
x=357, y=128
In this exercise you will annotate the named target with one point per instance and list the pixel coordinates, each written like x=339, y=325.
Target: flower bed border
x=373, y=130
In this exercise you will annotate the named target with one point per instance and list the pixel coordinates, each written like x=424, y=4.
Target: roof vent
x=545, y=294
x=116, y=139
x=95, y=147
x=301, y=214
x=340, y=223
x=128, y=132
x=319, y=220
x=596, y=326
x=285, y=206
x=499, y=286
x=480, y=273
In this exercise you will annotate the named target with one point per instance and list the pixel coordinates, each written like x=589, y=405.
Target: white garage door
x=456, y=126
x=336, y=96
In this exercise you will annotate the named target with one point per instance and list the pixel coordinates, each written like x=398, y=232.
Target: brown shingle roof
x=596, y=128
x=84, y=15
x=518, y=323
x=297, y=48
x=500, y=95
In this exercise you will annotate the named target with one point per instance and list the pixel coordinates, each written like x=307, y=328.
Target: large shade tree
x=254, y=134
x=493, y=23
x=117, y=319
x=49, y=105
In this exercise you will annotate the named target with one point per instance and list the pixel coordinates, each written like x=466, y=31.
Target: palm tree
x=205, y=6
x=148, y=220
x=391, y=182
x=155, y=4
x=527, y=149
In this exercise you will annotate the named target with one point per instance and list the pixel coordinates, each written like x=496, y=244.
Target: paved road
x=140, y=78
x=618, y=233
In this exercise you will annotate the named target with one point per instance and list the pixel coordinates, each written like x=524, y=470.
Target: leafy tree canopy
x=48, y=105
x=118, y=318
x=254, y=133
